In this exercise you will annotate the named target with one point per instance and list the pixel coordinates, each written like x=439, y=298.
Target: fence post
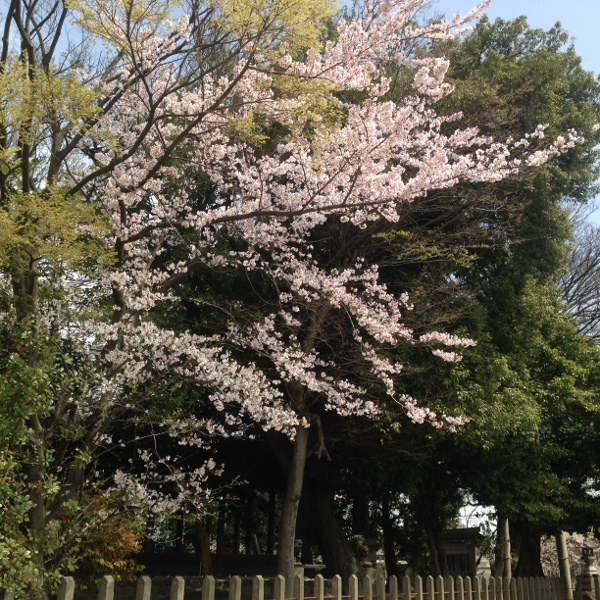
x=476, y=589
x=297, y=587
x=497, y=583
x=380, y=587
x=367, y=588
x=336, y=585
x=106, y=588
x=235, y=588
x=407, y=588
x=506, y=588
x=177, y=588
x=7, y=595
x=208, y=588
x=430, y=588
x=468, y=588
x=492, y=589
x=418, y=588
x=533, y=593
x=144, y=588
x=513, y=589
x=393, y=587
x=460, y=588
x=279, y=587
x=520, y=590
x=554, y=589
x=352, y=588
x=560, y=588
x=258, y=588
x=449, y=590
x=439, y=587
x=66, y=591
x=319, y=587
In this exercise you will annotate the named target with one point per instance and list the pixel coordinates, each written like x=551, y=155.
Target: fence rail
x=319, y=588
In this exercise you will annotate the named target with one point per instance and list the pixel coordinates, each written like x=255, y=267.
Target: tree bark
x=204, y=539
x=289, y=511
x=530, y=551
x=335, y=547
x=433, y=551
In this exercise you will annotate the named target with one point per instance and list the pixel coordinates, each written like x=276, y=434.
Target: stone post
x=585, y=581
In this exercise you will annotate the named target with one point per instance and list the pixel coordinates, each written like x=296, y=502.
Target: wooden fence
x=319, y=588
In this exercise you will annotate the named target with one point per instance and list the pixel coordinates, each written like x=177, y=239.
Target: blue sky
x=581, y=18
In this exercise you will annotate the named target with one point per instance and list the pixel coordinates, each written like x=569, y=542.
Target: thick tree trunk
x=434, y=554
x=289, y=511
x=530, y=551
x=335, y=547
x=360, y=515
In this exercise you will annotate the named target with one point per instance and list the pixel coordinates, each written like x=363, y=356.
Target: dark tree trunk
x=248, y=522
x=438, y=563
x=204, y=546
x=307, y=542
x=221, y=529
x=530, y=552
x=237, y=531
x=391, y=564
x=271, y=524
x=335, y=547
x=289, y=511
x=360, y=515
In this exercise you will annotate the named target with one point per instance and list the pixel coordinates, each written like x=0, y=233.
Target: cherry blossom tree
x=176, y=100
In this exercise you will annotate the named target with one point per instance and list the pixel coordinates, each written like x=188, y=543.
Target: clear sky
x=580, y=18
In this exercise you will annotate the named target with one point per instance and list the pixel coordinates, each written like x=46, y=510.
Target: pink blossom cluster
x=360, y=170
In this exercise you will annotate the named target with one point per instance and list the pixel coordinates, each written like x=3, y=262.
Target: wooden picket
x=319, y=588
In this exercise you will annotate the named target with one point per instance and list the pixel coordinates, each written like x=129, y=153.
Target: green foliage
x=62, y=231
x=297, y=24
x=483, y=261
